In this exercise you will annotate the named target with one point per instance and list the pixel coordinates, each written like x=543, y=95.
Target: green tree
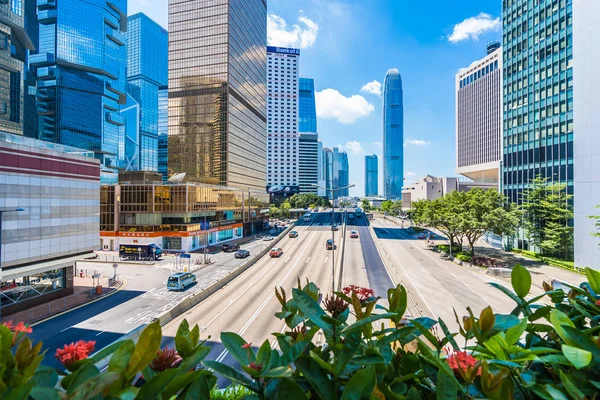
x=597, y=223
x=285, y=208
x=442, y=214
x=305, y=200
x=387, y=205
x=547, y=213
x=365, y=204
x=273, y=211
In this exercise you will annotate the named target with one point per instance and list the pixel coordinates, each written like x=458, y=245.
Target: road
x=436, y=285
x=144, y=297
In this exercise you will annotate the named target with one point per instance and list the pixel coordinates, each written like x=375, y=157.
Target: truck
x=146, y=252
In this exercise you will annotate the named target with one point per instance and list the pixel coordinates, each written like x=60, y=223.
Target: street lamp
x=1, y=213
x=205, y=230
x=332, y=190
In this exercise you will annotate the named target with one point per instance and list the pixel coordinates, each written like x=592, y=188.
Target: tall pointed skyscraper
x=393, y=135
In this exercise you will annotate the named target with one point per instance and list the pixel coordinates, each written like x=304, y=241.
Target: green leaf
x=192, y=361
x=82, y=375
x=361, y=385
x=578, y=357
x=514, y=333
x=231, y=374
x=289, y=390
x=368, y=320
x=105, y=352
x=311, y=310
x=200, y=389
x=486, y=319
x=324, y=364
x=572, y=389
x=368, y=360
x=593, y=278
x=44, y=393
x=449, y=335
x=180, y=382
x=183, y=340
x=278, y=372
x=264, y=355
x=349, y=349
x=316, y=377
x=128, y=393
x=290, y=355
x=45, y=377
x=558, y=320
x=155, y=386
x=21, y=392
x=506, y=291
x=121, y=357
x=234, y=344
x=145, y=349
x=445, y=388
x=430, y=337
x=521, y=280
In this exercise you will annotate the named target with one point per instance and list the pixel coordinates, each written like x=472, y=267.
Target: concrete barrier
x=341, y=256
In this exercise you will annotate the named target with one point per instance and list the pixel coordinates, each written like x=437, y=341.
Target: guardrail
x=341, y=255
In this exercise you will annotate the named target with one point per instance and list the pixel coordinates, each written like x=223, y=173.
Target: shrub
x=446, y=248
x=545, y=351
x=464, y=257
x=485, y=262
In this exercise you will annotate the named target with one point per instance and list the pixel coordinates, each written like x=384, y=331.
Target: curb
x=81, y=305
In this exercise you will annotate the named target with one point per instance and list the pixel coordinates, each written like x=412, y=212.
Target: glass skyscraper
x=81, y=77
x=163, y=131
x=307, y=112
x=147, y=70
x=15, y=44
x=217, y=91
x=538, y=94
x=393, y=135
x=336, y=172
x=371, y=175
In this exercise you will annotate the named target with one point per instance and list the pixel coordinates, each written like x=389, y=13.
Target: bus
x=307, y=217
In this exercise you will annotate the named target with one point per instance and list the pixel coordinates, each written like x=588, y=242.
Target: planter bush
x=546, y=351
x=464, y=257
x=446, y=248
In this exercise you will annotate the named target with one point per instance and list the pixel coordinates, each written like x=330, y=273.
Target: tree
x=548, y=216
x=387, y=205
x=440, y=214
x=305, y=200
x=365, y=204
x=273, y=211
x=285, y=208
x=597, y=223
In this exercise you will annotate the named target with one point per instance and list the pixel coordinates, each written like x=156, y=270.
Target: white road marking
x=307, y=260
x=288, y=259
x=66, y=329
x=326, y=258
x=100, y=333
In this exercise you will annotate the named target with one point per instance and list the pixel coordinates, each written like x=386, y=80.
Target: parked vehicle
x=307, y=217
x=229, y=248
x=242, y=254
x=293, y=234
x=181, y=280
x=334, y=228
x=268, y=238
x=329, y=244
x=353, y=235
x=422, y=236
x=150, y=252
x=276, y=252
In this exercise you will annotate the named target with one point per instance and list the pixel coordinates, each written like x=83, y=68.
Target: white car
x=268, y=238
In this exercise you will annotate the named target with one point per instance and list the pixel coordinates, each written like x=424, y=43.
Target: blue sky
x=349, y=44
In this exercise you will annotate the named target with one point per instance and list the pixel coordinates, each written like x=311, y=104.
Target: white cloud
x=297, y=36
x=372, y=87
x=410, y=173
x=472, y=27
x=354, y=147
x=417, y=142
x=378, y=144
x=333, y=104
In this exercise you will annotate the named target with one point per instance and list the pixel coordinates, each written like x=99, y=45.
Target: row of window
x=479, y=74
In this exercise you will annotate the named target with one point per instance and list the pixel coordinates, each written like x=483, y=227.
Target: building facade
x=336, y=173
x=147, y=63
x=322, y=167
x=586, y=150
x=16, y=44
x=308, y=162
x=282, y=118
x=307, y=111
x=393, y=135
x=30, y=117
x=163, y=132
x=177, y=217
x=538, y=94
x=58, y=190
x=479, y=118
x=217, y=92
x=371, y=175
x=81, y=77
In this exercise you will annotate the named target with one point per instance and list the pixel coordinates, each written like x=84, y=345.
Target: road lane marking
x=326, y=258
x=100, y=333
x=66, y=329
x=307, y=260
x=288, y=259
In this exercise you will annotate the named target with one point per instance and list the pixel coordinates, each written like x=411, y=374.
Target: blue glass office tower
x=131, y=112
x=371, y=175
x=336, y=172
x=147, y=70
x=163, y=131
x=81, y=77
x=393, y=135
x=538, y=94
x=307, y=111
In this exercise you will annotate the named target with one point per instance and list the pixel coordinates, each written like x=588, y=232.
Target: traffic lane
x=377, y=274
x=355, y=271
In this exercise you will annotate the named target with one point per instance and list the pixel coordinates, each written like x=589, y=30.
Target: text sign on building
x=283, y=50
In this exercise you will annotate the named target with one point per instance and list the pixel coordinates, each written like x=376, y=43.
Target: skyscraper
x=371, y=175
x=586, y=152
x=393, y=135
x=217, y=91
x=163, y=131
x=282, y=125
x=479, y=118
x=30, y=117
x=81, y=77
x=147, y=63
x=307, y=111
x=15, y=44
x=322, y=167
x=538, y=95
x=343, y=174
x=336, y=172
x=308, y=162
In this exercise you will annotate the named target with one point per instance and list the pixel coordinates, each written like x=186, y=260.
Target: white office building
x=479, y=117
x=322, y=164
x=308, y=156
x=586, y=118
x=282, y=118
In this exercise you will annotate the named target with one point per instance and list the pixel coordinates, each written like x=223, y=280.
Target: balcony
x=115, y=119
x=46, y=4
x=47, y=17
x=46, y=73
x=115, y=36
x=42, y=59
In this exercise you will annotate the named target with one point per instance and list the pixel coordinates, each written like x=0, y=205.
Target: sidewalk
x=83, y=292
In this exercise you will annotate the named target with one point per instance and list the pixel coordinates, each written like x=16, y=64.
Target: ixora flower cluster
x=542, y=350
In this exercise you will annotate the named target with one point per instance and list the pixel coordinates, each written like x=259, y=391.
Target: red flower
x=18, y=330
x=256, y=367
x=361, y=292
x=22, y=328
x=463, y=363
x=597, y=303
x=9, y=325
x=165, y=359
x=246, y=345
x=74, y=352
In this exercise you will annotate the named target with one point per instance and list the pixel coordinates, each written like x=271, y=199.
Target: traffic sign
x=185, y=255
x=96, y=276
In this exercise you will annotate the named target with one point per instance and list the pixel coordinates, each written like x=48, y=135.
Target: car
x=293, y=234
x=180, y=281
x=276, y=252
x=242, y=254
x=334, y=228
x=353, y=234
x=329, y=244
x=230, y=248
x=422, y=236
x=268, y=238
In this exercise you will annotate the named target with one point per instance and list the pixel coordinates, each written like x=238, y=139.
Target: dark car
x=329, y=244
x=242, y=254
x=334, y=228
x=293, y=234
x=229, y=248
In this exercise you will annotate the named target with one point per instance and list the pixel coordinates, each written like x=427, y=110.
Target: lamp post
x=205, y=231
x=332, y=190
x=1, y=213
